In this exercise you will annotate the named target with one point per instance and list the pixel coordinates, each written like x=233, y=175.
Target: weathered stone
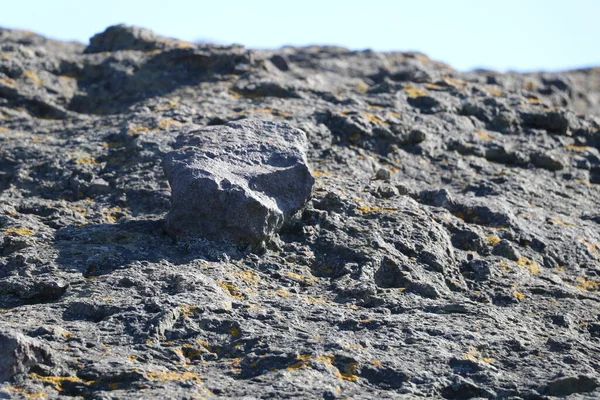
x=239, y=181
x=568, y=385
x=19, y=353
x=465, y=257
x=507, y=250
x=547, y=161
x=124, y=37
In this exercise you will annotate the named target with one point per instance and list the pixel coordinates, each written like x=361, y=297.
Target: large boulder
x=239, y=181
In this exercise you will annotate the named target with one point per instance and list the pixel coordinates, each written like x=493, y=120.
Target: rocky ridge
x=450, y=248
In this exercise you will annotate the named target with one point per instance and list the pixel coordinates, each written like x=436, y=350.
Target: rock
x=479, y=254
x=553, y=121
x=19, y=353
x=124, y=37
x=281, y=62
x=426, y=104
x=568, y=385
x=506, y=249
x=239, y=181
x=547, y=161
x=383, y=174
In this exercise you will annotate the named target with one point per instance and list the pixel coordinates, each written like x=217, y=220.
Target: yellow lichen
x=593, y=248
x=170, y=105
x=518, y=295
x=231, y=289
x=349, y=373
x=493, y=239
x=283, y=293
x=362, y=87
x=366, y=209
x=560, y=221
x=112, y=215
x=166, y=123
x=587, y=284
x=577, y=148
x=58, y=381
x=235, y=332
x=413, y=92
x=137, y=129
x=188, y=310
x=529, y=265
x=169, y=376
x=207, y=346
x=8, y=81
x=293, y=275
x=315, y=300
x=455, y=82
x=248, y=276
x=318, y=174
x=190, y=352
x=306, y=280
x=433, y=86
x=32, y=76
x=475, y=355
x=494, y=91
x=86, y=160
x=484, y=135
x=19, y=231
x=374, y=119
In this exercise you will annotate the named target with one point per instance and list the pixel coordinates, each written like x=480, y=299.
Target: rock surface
x=19, y=354
x=450, y=248
x=238, y=181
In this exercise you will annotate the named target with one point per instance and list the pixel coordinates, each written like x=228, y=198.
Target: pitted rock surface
x=238, y=181
x=450, y=247
x=18, y=353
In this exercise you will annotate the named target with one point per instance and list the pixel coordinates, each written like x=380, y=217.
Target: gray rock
x=408, y=287
x=547, y=161
x=240, y=181
x=124, y=37
x=568, y=385
x=506, y=249
x=19, y=353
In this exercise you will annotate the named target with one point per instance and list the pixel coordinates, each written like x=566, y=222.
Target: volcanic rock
x=18, y=353
x=239, y=181
x=449, y=248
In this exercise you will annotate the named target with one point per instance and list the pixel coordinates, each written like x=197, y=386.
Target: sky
x=518, y=35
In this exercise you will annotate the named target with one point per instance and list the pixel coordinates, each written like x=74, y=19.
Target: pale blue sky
x=508, y=34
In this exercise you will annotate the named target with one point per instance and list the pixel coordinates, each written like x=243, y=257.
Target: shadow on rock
x=109, y=89
x=96, y=250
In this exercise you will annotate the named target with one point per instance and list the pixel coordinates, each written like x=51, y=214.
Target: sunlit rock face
x=182, y=220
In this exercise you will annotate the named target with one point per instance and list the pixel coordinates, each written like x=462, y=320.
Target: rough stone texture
x=239, y=181
x=18, y=353
x=450, y=249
